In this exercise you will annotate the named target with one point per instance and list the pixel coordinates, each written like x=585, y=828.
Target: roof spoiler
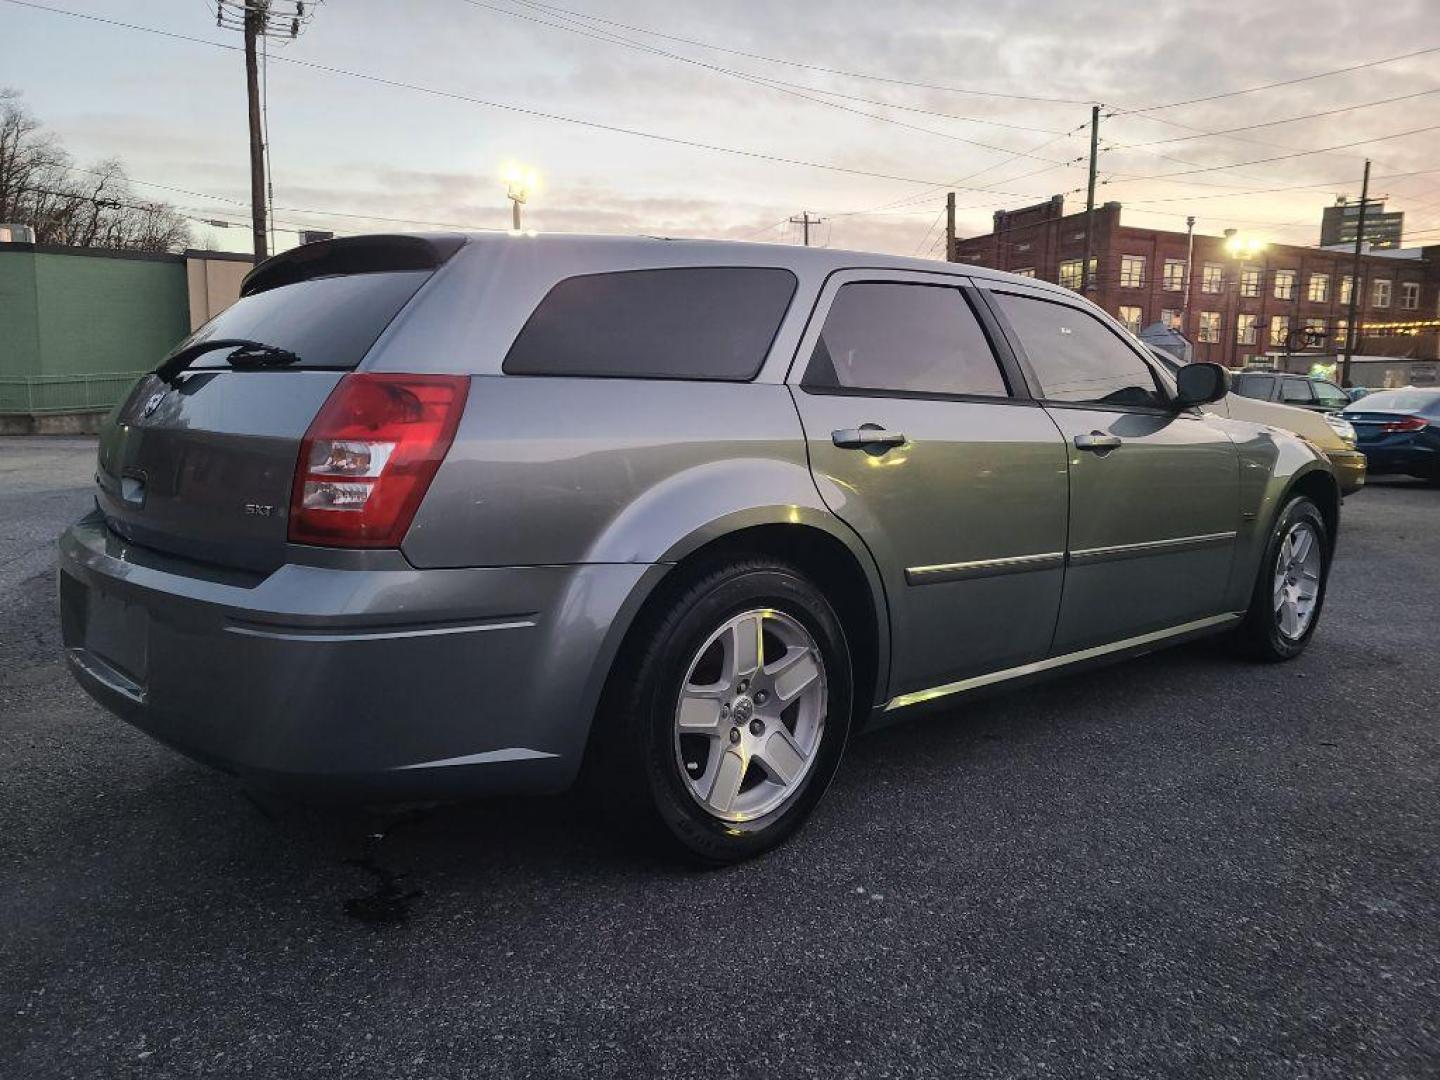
x=352, y=255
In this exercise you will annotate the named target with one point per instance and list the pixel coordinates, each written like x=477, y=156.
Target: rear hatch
x=199, y=462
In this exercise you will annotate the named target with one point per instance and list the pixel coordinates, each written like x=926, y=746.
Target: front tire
x=727, y=714
x=1290, y=587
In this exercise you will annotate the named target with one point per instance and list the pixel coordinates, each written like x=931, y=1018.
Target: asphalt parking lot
x=1186, y=866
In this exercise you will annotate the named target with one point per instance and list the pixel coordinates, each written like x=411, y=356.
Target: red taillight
x=1409, y=423
x=369, y=455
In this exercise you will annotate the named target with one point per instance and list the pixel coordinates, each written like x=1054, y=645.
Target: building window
x=1210, y=277
x=1284, y=284
x=1130, y=317
x=1209, y=326
x=1319, y=291
x=1132, y=271
x=1410, y=295
x=1245, y=329
x=1250, y=281
x=1382, y=292
x=1070, y=273
x=1347, y=283
x=1342, y=333
x=1279, y=330
x=1022, y=247
x=1174, y=275
x=1028, y=271
x=1315, y=331
x=1170, y=318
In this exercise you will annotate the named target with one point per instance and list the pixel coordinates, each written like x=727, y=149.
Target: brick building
x=1242, y=304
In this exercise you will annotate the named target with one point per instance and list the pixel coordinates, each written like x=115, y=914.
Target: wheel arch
x=812, y=541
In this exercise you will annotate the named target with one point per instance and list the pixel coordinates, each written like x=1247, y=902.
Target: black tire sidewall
x=691, y=620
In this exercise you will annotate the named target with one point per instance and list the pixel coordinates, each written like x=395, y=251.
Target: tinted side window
x=917, y=338
x=1296, y=391
x=1252, y=386
x=680, y=323
x=1078, y=358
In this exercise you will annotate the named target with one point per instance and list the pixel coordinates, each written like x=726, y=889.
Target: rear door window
x=328, y=322
x=1253, y=386
x=910, y=338
x=1296, y=392
x=677, y=323
x=1077, y=358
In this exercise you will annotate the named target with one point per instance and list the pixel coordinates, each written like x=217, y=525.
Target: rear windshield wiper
x=247, y=354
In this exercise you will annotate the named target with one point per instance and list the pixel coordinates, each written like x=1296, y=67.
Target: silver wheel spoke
x=1302, y=545
x=793, y=674
x=782, y=759
x=743, y=649
x=1298, y=568
x=1289, y=618
x=699, y=712
x=726, y=785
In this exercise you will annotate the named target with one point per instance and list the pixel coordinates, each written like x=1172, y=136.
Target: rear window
x=682, y=323
x=329, y=322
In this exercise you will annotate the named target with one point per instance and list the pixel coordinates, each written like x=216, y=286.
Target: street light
x=520, y=182
x=1238, y=245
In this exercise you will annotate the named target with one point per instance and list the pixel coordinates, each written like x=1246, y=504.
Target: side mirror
x=1200, y=384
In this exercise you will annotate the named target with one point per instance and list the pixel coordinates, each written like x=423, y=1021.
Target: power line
x=811, y=67
x=1289, y=157
x=1276, y=123
x=793, y=89
x=1286, y=82
x=519, y=109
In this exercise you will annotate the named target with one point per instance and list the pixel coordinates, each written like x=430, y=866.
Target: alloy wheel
x=750, y=715
x=1297, y=580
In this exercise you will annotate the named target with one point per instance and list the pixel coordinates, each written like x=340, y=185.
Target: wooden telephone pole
x=257, y=19
x=1352, y=331
x=805, y=220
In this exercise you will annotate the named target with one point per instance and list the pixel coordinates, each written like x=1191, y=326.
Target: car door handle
x=1098, y=442
x=865, y=437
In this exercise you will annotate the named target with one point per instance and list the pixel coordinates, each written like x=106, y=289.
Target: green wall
x=68, y=314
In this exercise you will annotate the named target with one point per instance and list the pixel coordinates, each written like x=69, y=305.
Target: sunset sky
x=174, y=111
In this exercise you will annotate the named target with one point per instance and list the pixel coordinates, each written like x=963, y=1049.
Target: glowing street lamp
x=1238, y=245
x=520, y=183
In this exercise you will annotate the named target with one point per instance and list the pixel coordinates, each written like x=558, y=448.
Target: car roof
x=657, y=250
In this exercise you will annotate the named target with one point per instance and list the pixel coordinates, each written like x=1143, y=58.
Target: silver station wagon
x=436, y=516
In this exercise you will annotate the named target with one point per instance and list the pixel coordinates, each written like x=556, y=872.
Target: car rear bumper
x=1350, y=467
x=1414, y=460
x=376, y=681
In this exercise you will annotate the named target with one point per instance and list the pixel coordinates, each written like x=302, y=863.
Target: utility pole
x=256, y=19
x=255, y=13
x=950, y=227
x=1085, y=280
x=1352, y=331
x=1189, y=273
x=806, y=221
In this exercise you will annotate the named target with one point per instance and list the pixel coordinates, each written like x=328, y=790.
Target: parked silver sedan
x=431, y=516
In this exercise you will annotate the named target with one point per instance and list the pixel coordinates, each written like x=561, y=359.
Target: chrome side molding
x=960, y=571
x=1052, y=662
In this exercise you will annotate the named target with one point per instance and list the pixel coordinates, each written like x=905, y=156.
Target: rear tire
x=726, y=715
x=1289, y=587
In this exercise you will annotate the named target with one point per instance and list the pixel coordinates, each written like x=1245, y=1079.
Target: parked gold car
x=1335, y=440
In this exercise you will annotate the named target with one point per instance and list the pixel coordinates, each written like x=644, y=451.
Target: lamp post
x=520, y=184
x=1239, y=246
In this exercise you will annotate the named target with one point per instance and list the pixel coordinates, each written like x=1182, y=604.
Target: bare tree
x=40, y=187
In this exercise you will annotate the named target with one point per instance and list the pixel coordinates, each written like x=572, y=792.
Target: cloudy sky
x=899, y=101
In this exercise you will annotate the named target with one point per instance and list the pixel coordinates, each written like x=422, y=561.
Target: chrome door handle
x=1098, y=442
x=866, y=437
